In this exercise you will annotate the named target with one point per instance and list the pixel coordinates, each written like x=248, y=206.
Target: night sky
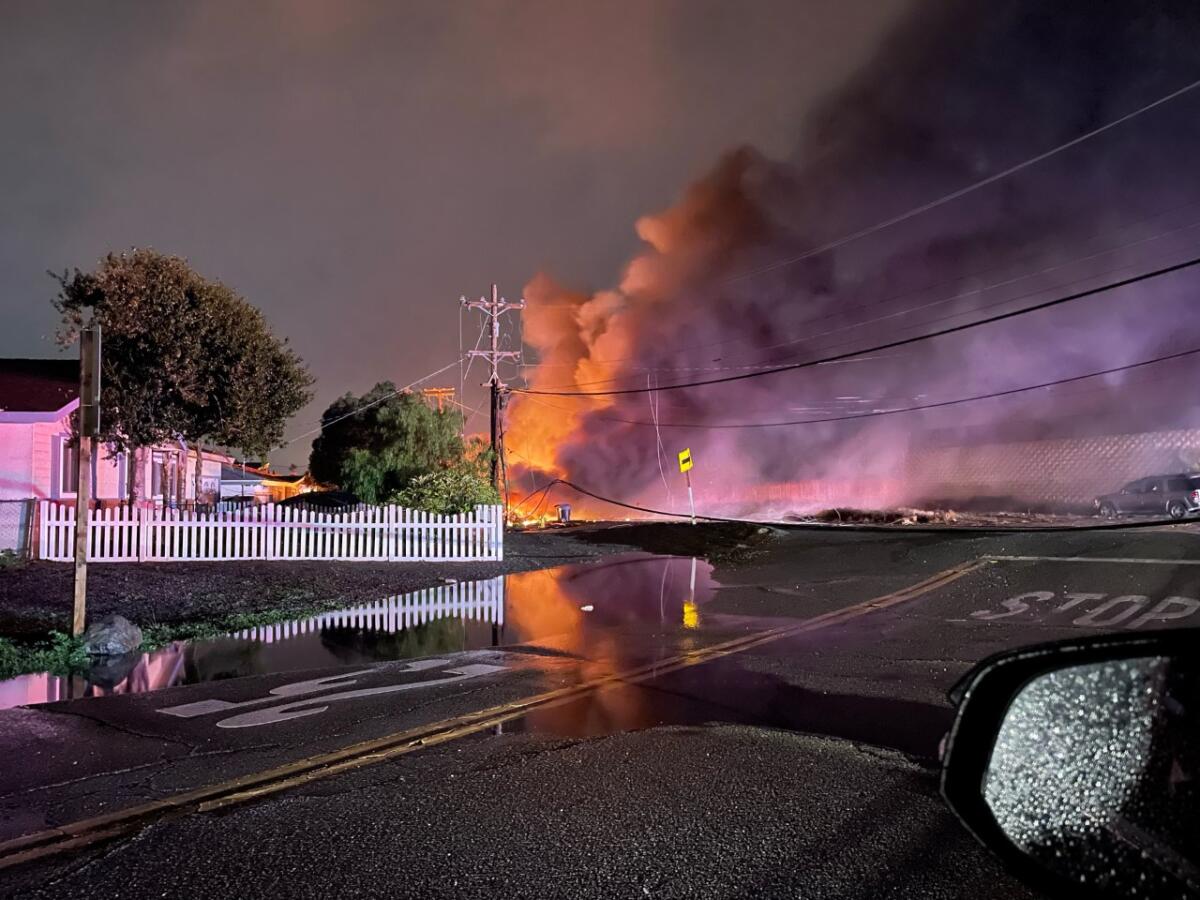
x=352, y=168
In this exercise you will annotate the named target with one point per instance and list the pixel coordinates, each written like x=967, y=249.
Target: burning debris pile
x=900, y=516
x=728, y=285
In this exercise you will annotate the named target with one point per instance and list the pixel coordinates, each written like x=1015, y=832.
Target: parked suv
x=1174, y=495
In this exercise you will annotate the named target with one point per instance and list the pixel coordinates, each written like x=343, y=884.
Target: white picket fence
x=270, y=531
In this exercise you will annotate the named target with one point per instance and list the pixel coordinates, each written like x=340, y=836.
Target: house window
x=68, y=469
x=158, y=462
x=122, y=464
x=65, y=465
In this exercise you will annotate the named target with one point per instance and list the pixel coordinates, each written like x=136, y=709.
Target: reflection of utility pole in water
x=662, y=591
x=498, y=621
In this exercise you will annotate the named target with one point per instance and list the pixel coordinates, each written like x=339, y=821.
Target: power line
x=903, y=342
x=483, y=324
x=661, y=451
x=634, y=372
x=834, y=406
x=906, y=409
x=545, y=490
x=914, y=212
x=963, y=191
x=856, y=526
x=375, y=402
x=472, y=411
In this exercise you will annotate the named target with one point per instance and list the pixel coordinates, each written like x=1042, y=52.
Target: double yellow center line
x=86, y=832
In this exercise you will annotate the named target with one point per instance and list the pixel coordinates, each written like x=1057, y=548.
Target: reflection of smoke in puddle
x=547, y=606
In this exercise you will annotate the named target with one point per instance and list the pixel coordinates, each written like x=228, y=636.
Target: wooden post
x=89, y=426
x=181, y=477
x=131, y=476
x=82, y=502
x=199, y=471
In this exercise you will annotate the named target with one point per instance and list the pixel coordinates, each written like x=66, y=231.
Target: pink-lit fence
x=374, y=533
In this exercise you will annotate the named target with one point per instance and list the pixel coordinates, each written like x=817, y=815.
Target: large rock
x=111, y=636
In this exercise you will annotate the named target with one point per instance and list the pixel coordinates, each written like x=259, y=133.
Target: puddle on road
x=575, y=609
x=722, y=691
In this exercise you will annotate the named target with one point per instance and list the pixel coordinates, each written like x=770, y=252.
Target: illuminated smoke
x=959, y=91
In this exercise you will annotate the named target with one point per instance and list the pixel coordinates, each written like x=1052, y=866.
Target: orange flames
x=584, y=343
x=571, y=334
x=616, y=338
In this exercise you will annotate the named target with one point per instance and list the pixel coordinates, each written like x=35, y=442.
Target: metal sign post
x=89, y=427
x=685, y=466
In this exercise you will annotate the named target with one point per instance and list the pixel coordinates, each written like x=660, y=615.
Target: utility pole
x=438, y=395
x=493, y=308
x=89, y=427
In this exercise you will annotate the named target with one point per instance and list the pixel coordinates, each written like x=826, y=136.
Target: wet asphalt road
x=716, y=811
x=704, y=781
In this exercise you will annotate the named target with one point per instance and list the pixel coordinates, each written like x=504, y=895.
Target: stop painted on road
x=1090, y=610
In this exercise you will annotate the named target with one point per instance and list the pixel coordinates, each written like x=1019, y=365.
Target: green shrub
x=448, y=491
x=11, y=560
x=61, y=655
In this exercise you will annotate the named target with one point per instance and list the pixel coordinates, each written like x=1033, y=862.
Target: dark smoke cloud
x=960, y=90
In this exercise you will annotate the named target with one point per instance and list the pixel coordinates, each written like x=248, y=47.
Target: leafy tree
x=456, y=489
x=253, y=381
x=182, y=356
x=343, y=429
x=374, y=445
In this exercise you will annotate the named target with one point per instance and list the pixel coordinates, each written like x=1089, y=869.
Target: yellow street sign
x=685, y=460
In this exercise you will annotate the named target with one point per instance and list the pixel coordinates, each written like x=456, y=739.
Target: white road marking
x=1115, y=611
x=1015, y=605
x=296, y=710
x=295, y=689
x=1131, y=604
x=1074, y=600
x=1185, y=606
x=1095, y=559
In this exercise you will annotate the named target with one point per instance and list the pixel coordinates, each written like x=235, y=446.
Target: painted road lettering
x=308, y=705
x=305, y=707
x=1014, y=605
x=1093, y=610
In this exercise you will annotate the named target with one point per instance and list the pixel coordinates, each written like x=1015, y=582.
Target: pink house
x=37, y=398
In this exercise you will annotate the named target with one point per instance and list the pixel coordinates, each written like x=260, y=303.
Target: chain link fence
x=1052, y=475
x=16, y=525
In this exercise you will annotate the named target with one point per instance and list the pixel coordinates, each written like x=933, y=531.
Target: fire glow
x=728, y=283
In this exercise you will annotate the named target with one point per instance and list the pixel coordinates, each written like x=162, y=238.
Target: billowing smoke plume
x=960, y=91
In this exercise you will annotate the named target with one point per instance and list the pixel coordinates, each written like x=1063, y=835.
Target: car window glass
x=1177, y=484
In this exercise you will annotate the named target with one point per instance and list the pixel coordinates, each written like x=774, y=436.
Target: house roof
x=288, y=478
x=38, y=385
x=234, y=474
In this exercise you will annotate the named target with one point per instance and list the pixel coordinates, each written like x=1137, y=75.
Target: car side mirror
x=1078, y=764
